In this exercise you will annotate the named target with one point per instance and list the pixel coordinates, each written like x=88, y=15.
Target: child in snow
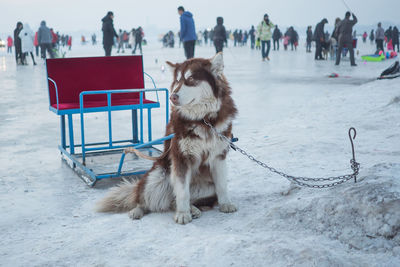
x=285, y=41
x=258, y=44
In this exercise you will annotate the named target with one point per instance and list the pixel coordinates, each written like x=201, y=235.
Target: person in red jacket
x=9, y=44
x=36, y=44
x=54, y=38
x=69, y=42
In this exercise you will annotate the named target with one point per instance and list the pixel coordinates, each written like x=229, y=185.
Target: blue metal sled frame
x=137, y=141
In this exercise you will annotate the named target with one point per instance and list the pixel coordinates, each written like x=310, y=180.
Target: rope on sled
x=303, y=181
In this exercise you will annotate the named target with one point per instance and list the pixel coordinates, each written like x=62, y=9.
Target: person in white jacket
x=27, y=37
x=132, y=38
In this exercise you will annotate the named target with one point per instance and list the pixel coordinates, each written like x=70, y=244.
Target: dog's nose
x=174, y=98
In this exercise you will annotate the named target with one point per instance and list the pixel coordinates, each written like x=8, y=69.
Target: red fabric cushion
x=95, y=104
x=74, y=75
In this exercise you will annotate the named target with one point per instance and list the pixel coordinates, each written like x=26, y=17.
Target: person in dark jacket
x=372, y=36
x=235, y=37
x=395, y=38
x=108, y=33
x=138, y=39
x=219, y=35
x=388, y=34
x=252, y=34
x=188, y=32
x=309, y=39
x=319, y=37
x=45, y=40
x=345, y=30
x=276, y=35
x=293, y=38
x=17, y=44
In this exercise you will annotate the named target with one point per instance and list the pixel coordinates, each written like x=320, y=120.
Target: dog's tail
x=140, y=154
x=119, y=199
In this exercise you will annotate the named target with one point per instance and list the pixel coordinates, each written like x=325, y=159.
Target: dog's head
x=195, y=90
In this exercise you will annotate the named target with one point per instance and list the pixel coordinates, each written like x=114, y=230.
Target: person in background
x=345, y=30
x=9, y=44
x=27, y=37
x=36, y=44
x=235, y=37
x=69, y=42
x=286, y=40
x=372, y=36
x=319, y=37
x=276, y=36
x=219, y=35
x=205, y=36
x=17, y=44
x=264, y=32
x=252, y=34
x=293, y=38
x=379, y=37
x=388, y=34
x=138, y=40
x=240, y=38
x=187, y=32
x=309, y=39
x=131, y=41
x=364, y=37
x=54, y=38
x=121, y=41
x=108, y=33
x=211, y=37
x=395, y=38
x=125, y=39
x=44, y=40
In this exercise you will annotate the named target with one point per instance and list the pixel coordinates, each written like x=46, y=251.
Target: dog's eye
x=190, y=79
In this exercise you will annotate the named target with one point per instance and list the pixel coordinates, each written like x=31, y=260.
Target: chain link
x=301, y=181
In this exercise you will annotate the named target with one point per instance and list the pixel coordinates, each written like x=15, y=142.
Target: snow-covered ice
x=291, y=115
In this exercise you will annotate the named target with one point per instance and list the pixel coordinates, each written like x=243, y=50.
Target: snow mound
x=366, y=216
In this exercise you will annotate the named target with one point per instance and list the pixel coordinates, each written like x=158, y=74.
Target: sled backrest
x=75, y=75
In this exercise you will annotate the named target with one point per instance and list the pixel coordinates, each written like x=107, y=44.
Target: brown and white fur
x=192, y=170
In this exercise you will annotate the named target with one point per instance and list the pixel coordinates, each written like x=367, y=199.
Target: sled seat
x=102, y=84
x=69, y=77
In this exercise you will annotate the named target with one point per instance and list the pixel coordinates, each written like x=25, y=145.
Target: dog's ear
x=171, y=66
x=217, y=64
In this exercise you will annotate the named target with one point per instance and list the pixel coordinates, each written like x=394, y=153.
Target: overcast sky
x=76, y=15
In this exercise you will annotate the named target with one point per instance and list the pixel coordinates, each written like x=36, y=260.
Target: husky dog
x=191, y=172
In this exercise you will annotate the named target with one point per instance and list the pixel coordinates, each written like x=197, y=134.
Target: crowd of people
x=261, y=37
x=123, y=39
x=338, y=43
x=26, y=42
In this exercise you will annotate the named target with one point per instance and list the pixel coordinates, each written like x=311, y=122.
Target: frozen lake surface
x=291, y=115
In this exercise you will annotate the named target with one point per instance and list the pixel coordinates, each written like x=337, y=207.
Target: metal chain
x=355, y=166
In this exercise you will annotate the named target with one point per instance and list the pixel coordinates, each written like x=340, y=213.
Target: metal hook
x=351, y=140
x=352, y=147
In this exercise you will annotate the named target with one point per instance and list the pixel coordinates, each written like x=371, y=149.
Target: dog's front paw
x=227, y=208
x=196, y=213
x=136, y=213
x=183, y=217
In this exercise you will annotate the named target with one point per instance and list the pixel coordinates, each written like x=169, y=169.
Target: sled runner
x=392, y=72
x=79, y=86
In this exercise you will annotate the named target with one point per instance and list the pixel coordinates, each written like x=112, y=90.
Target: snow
x=291, y=115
